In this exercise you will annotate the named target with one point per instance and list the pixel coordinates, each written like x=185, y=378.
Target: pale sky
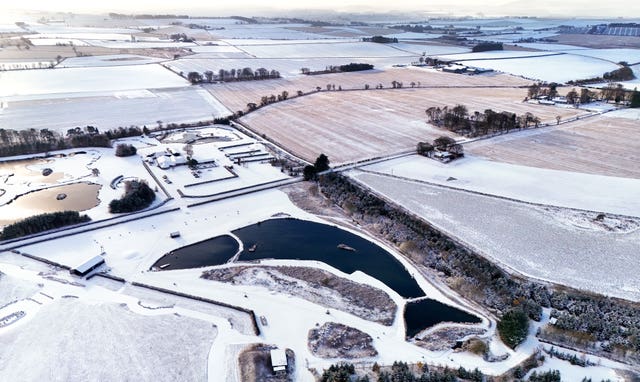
x=564, y=8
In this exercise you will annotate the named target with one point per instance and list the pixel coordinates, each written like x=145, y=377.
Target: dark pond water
x=304, y=240
x=215, y=251
x=425, y=313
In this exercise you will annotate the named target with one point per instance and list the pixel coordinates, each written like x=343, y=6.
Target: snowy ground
x=546, y=244
x=529, y=184
x=103, y=326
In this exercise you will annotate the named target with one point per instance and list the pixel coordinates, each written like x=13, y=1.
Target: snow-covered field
x=202, y=62
x=558, y=68
x=539, y=242
x=91, y=79
x=107, y=60
x=494, y=55
x=347, y=49
x=603, y=145
x=529, y=184
x=109, y=111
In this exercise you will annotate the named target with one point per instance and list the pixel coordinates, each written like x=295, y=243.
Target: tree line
x=610, y=92
x=459, y=120
x=32, y=141
x=224, y=75
x=42, y=222
x=352, y=67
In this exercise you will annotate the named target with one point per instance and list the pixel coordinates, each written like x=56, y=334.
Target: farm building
x=87, y=266
x=278, y=361
x=167, y=161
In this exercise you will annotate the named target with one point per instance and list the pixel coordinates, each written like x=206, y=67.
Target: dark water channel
x=293, y=239
x=425, y=313
x=215, y=251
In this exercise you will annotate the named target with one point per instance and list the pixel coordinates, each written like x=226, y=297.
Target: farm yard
x=603, y=145
x=350, y=126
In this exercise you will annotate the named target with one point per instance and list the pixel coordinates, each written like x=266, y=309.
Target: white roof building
x=88, y=265
x=278, y=360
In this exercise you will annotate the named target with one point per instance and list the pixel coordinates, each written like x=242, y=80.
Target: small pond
x=295, y=239
x=425, y=313
x=71, y=197
x=215, y=251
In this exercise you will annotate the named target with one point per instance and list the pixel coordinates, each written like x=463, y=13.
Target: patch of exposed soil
x=445, y=338
x=593, y=220
x=315, y=285
x=334, y=340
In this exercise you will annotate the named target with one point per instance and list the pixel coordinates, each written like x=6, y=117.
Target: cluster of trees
x=621, y=74
x=572, y=358
x=625, y=73
x=459, y=120
x=413, y=28
x=310, y=172
x=611, y=92
x=223, y=75
x=380, y=39
x=125, y=150
x=31, y=141
x=487, y=46
x=513, y=327
x=352, y=67
x=137, y=196
x=547, y=376
x=43, y=222
x=540, y=90
x=610, y=322
x=400, y=372
x=181, y=37
x=442, y=143
x=585, y=96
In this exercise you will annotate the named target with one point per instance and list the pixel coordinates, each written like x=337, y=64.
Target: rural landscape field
x=328, y=195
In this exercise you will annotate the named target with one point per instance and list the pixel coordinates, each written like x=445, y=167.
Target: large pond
x=425, y=313
x=77, y=197
x=304, y=240
x=205, y=253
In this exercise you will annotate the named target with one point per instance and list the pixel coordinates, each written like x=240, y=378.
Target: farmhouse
x=278, y=361
x=166, y=161
x=87, y=266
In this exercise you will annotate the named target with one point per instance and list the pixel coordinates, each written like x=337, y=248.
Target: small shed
x=174, y=234
x=87, y=266
x=278, y=360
